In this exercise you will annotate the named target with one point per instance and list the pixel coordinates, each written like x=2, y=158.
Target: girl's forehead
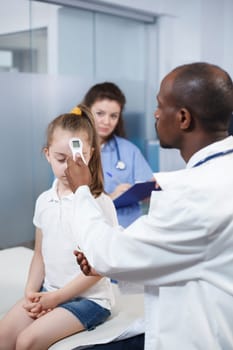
x=60, y=133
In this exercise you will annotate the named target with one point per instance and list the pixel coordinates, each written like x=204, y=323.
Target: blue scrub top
x=137, y=169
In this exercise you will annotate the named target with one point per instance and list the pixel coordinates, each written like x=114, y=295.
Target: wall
x=188, y=31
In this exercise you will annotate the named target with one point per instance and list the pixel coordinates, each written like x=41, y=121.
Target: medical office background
x=51, y=52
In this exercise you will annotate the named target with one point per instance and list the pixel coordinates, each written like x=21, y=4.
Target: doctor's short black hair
x=206, y=90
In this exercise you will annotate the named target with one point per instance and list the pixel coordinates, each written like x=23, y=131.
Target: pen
x=114, y=178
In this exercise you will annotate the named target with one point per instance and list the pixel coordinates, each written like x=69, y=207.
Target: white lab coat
x=182, y=252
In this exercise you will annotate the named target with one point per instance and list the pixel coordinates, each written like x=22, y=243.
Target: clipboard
x=134, y=194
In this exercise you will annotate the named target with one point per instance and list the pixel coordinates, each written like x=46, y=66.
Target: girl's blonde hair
x=81, y=118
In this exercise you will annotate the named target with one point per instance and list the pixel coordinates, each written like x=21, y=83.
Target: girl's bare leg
x=46, y=330
x=13, y=323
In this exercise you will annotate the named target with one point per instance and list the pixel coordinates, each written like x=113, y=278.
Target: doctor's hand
x=77, y=173
x=84, y=264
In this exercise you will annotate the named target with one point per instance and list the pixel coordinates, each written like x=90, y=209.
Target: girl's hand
x=47, y=301
x=42, y=313
x=32, y=305
x=34, y=311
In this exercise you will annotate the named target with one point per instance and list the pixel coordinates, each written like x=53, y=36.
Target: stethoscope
x=120, y=164
x=212, y=156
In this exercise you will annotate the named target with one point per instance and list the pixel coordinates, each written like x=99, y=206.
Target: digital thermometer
x=76, y=146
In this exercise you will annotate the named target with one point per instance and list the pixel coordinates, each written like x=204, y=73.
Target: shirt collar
x=108, y=146
x=53, y=193
x=219, y=146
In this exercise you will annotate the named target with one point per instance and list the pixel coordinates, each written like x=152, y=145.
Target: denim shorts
x=89, y=313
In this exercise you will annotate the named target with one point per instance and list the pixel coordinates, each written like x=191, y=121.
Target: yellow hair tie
x=76, y=110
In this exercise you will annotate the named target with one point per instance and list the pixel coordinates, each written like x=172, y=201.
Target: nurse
x=123, y=163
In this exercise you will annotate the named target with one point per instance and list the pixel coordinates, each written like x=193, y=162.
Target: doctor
x=123, y=163
x=182, y=251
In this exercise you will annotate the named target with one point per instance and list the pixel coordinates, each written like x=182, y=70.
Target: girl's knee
x=6, y=340
x=24, y=341
x=5, y=343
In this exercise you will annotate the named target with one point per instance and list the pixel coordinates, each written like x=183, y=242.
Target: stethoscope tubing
x=212, y=156
x=120, y=164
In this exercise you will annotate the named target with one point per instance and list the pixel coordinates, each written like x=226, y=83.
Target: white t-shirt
x=53, y=216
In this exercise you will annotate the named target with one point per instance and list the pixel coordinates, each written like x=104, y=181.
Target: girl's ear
x=46, y=153
x=185, y=119
x=91, y=154
x=92, y=151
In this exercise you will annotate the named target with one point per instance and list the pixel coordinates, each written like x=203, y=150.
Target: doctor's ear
x=185, y=119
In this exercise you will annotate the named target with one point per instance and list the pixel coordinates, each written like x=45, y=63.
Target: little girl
x=59, y=300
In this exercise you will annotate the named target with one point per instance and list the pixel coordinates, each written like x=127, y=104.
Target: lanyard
x=212, y=156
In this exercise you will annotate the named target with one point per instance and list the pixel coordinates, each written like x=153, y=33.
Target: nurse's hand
x=119, y=190
x=77, y=173
x=84, y=264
